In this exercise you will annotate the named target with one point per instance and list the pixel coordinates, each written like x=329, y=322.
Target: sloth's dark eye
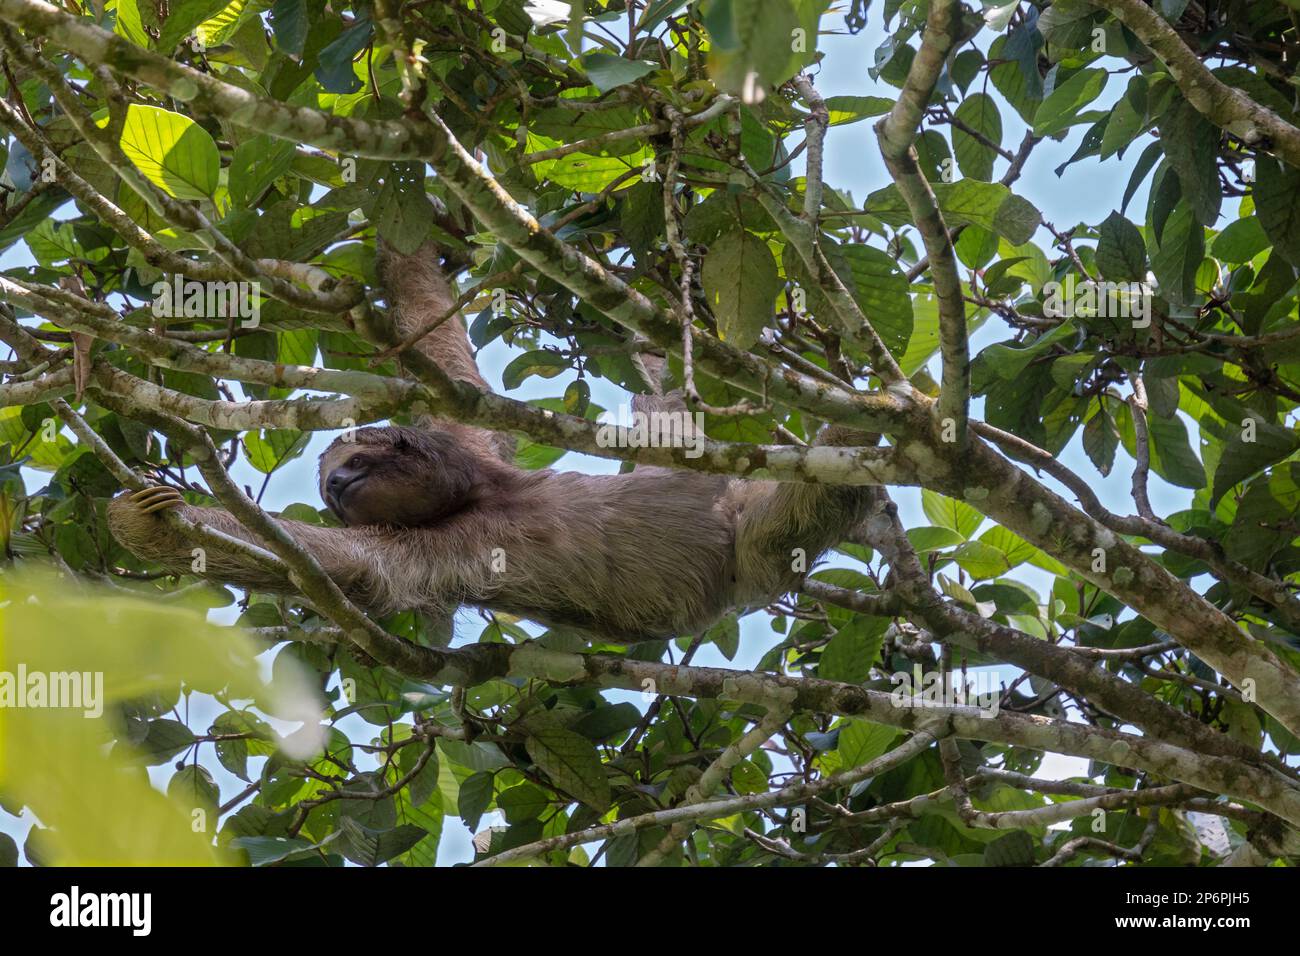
x=356, y=461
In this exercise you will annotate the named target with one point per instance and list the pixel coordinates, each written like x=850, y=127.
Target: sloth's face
x=396, y=476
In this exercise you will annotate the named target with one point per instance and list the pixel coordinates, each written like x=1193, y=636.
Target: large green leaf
x=183, y=17
x=1255, y=444
x=1265, y=518
x=1277, y=204
x=571, y=761
x=1178, y=255
x=1121, y=253
x=861, y=741
x=175, y=153
x=740, y=282
x=1126, y=119
x=990, y=206
x=850, y=109
x=1192, y=145
x=976, y=154
x=754, y=43
x=1062, y=107
x=950, y=513
x=851, y=652
x=273, y=448
x=609, y=72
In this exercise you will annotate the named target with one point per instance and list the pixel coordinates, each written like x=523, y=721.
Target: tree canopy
x=191, y=199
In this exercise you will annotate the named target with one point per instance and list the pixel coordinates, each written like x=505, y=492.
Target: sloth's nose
x=335, y=483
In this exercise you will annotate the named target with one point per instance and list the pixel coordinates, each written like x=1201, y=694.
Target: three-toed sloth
x=437, y=517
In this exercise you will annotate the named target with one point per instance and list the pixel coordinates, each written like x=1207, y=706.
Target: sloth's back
x=648, y=554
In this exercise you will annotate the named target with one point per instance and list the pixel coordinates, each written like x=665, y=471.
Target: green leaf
x=585, y=173
x=1265, y=516
x=880, y=289
x=611, y=720
x=1101, y=439
x=976, y=247
x=255, y=165
x=609, y=72
x=1121, y=253
x=402, y=208
x=573, y=765
x=8, y=851
x=1062, y=107
x=1277, y=204
x=924, y=540
x=165, y=739
x=183, y=17
x=751, y=44
x=849, y=655
x=1017, y=77
x=128, y=23
x=474, y=796
x=233, y=753
x=289, y=23
x=32, y=215
x=1242, y=459
x=368, y=846
x=849, y=109
x=524, y=802
x=1126, y=119
x=1171, y=453
x=173, y=152
x=981, y=560
x=543, y=363
x=229, y=20
x=194, y=788
x=987, y=205
x=1002, y=361
x=1013, y=547
x=725, y=636
x=979, y=112
x=861, y=742
x=747, y=777
x=1011, y=849
x=1178, y=255
x=271, y=449
x=265, y=850
x=1150, y=156
x=740, y=283
x=1192, y=146
x=427, y=817
x=297, y=347
x=950, y=513
x=52, y=242
x=1241, y=241
x=335, y=70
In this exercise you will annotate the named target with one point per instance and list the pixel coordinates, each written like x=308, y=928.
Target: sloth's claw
x=157, y=498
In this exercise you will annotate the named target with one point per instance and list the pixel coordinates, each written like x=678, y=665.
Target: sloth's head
x=397, y=476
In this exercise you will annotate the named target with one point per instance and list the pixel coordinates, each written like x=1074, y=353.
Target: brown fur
x=436, y=520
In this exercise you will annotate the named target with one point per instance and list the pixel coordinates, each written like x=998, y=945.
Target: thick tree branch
x=1226, y=107
x=897, y=132
x=924, y=605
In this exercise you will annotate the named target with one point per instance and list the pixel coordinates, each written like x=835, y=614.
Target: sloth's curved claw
x=157, y=498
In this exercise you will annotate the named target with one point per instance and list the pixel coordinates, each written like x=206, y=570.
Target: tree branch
x=896, y=132
x=1226, y=107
